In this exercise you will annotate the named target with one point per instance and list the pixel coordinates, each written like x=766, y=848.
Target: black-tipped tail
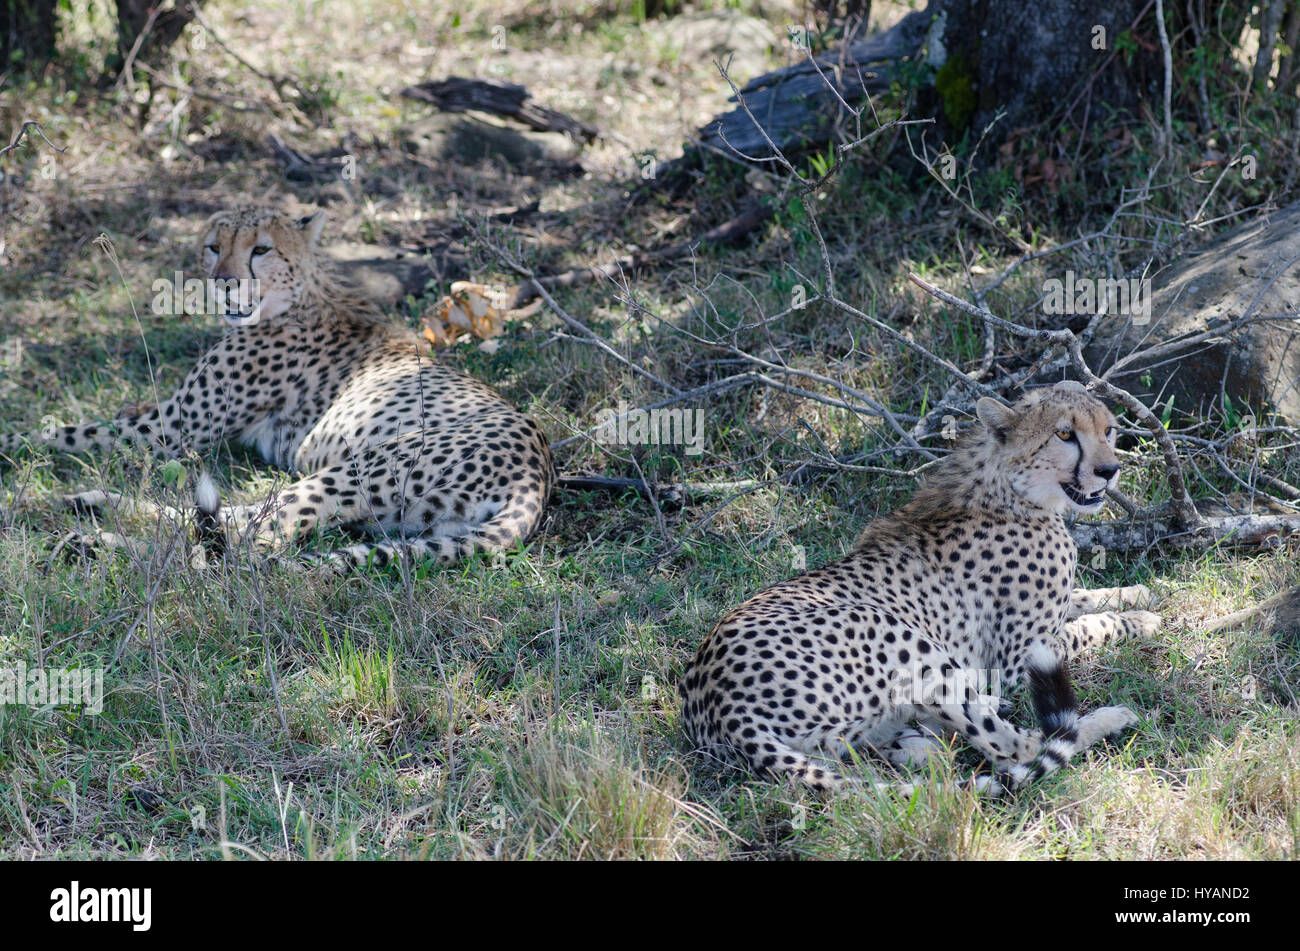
x=1054, y=699
x=1058, y=714
x=207, y=504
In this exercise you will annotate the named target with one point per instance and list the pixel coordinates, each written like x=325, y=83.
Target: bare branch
x=1189, y=518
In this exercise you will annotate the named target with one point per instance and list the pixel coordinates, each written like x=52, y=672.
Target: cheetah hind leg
x=100, y=502
x=912, y=748
x=777, y=759
x=498, y=534
x=1065, y=733
x=88, y=545
x=275, y=521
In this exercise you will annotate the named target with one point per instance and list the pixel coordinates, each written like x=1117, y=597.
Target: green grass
x=527, y=708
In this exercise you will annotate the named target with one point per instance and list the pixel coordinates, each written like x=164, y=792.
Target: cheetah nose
x=1106, y=472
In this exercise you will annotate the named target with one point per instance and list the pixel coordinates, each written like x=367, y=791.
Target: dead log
x=1231, y=531
x=509, y=100
x=1278, y=612
x=969, y=62
x=798, y=106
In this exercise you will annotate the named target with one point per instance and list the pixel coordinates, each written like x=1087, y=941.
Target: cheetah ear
x=208, y=226
x=998, y=417
x=1072, y=386
x=312, y=225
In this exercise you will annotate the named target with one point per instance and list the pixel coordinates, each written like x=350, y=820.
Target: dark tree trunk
x=1058, y=62
x=167, y=26
x=1034, y=59
x=28, y=32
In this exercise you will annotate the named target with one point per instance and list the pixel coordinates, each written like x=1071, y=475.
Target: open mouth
x=240, y=318
x=1081, y=500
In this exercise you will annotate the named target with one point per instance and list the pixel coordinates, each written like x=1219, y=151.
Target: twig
x=22, y=131
x=1189, y=519
x=576, y=324
x=128, y=67
x=230, y=101
x=1169, y=76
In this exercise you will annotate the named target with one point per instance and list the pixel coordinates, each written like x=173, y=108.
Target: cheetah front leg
x=1134, y=597
x=203, y=412
x=912, y=748
x=1000, y=741
x=950, y=702
x=1094, y=630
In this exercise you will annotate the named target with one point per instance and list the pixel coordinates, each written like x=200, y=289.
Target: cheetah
x=896, y=645
x=311, y=375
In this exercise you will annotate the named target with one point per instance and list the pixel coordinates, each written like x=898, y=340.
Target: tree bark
x=1032, y=61
x=133, y=18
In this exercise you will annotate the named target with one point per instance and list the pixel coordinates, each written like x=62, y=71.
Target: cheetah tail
x=207, y=503
x=1058, y=714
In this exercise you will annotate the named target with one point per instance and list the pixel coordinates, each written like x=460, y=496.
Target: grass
x=526, y=707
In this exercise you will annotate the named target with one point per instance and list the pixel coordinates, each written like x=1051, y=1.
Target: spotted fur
x=882, y=651
x=311, y=375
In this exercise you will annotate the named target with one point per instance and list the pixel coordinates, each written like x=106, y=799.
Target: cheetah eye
x=214, y=248
x=1110, y=431
x=261, y=249
x=1065, y=435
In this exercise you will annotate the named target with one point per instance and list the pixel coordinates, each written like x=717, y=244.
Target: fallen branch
x=799, y=104
x=300, y=167
x=663, y=491
x=1284, y=608
x=512, y=101
x=1231, y=531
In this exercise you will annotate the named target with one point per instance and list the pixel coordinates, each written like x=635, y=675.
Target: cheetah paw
x=1141, y=623
x=1141, y=598
x=80, y=546
x=1106, y=721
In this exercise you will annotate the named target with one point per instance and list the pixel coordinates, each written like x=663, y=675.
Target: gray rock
x=1251, y=269
x=719, y=34
x=462, y=138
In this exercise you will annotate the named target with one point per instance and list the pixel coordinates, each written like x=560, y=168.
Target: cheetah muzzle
x=1075, y=494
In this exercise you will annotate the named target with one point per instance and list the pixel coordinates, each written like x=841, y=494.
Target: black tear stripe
x=1074, y=424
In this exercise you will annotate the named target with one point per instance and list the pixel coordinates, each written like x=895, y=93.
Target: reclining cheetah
x=973, y=575
x=311, y=374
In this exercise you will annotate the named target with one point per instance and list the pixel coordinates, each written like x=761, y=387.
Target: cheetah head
x=260, y=259
x=1057, y=446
